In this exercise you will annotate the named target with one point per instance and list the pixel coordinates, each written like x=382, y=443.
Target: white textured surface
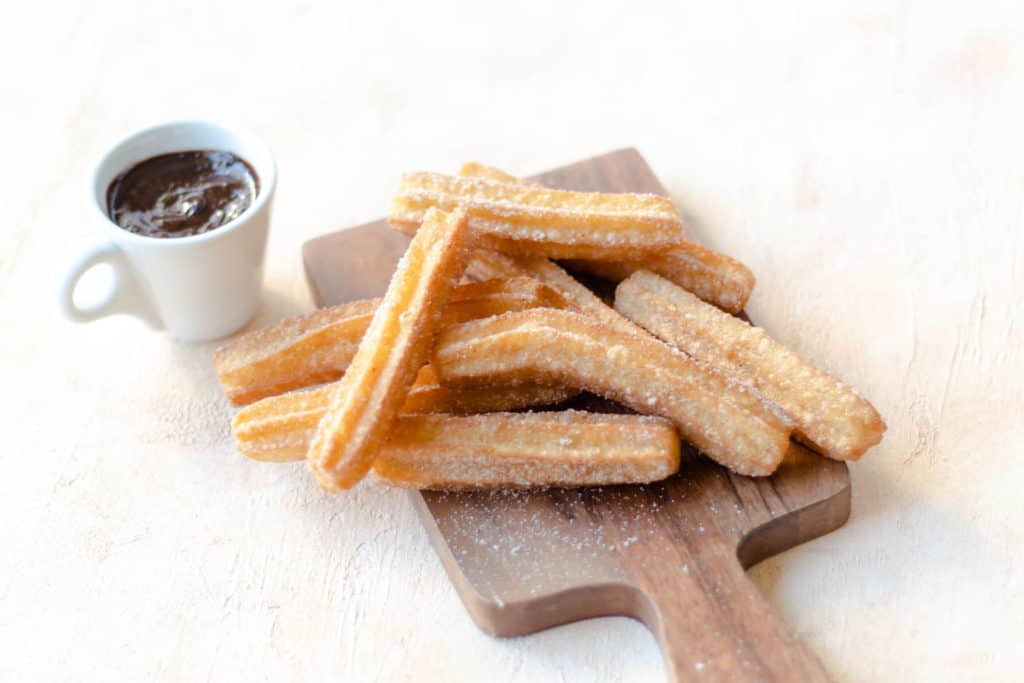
x=864, y=158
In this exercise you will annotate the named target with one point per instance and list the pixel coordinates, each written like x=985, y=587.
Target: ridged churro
x=714, y=277
x=429, y=395
x=527, y=450
x=725, y=419
x=279, y=428
x=517, y=218
x=483, y=299
x=473, y=169
x=369, y=396
x=828, y=416
x=516, y=450
x=317, y=347
x=486, y=263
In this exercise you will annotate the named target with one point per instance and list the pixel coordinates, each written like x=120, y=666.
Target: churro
x=429, y=395
x=517, y=218
x=473, y=169
x=369, y=396
x=527, y=450
x=486, y=263
x=728, y=421
x=828, y=416
x=483, y=299
x=714, y=277
x=279, y=428
x=518, y=450
x=317, y=347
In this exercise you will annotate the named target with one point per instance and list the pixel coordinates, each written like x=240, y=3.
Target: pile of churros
x=454, y=378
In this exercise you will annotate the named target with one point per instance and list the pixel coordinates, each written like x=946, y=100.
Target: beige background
x=865, y=159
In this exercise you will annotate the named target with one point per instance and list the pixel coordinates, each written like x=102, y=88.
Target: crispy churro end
x=828, y=415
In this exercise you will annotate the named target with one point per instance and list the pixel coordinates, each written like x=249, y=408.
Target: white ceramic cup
x=200, y=287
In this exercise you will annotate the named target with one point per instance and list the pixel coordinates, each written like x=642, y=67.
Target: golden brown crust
x=473, y=169
x=527, y=450
x=474, y=300
x=279, y=428
x=828, y=415
x=517, y=218
x=714, y=277
x=429, y=395
x=486, y=263
x=317, y=347
x=370, y=395
x=728, y=421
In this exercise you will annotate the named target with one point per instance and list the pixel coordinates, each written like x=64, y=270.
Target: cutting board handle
x=714, y=625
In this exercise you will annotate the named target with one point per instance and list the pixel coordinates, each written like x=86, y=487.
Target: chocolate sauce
x=182, y=193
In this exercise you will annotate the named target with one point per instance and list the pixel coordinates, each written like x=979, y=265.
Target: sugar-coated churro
x=521, y=450
x=473, y=169
x=279, y=428
x=828, y=416
x=714, y=277
x=725, y=419
x=518, y=218
x=429, y=395
x=501, y=295
x=527, y=450
x=317, y=347
x=369, y=396
x=486, y=263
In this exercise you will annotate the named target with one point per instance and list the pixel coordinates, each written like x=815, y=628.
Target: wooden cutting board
x=671, y=554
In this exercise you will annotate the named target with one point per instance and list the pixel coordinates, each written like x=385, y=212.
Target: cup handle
x=126, y=296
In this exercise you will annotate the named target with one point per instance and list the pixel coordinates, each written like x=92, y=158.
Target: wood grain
x=671, y=554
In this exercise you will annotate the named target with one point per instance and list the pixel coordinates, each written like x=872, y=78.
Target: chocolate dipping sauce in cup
x=199, y=274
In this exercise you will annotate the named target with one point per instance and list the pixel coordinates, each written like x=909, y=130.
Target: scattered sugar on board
x=528, y=535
